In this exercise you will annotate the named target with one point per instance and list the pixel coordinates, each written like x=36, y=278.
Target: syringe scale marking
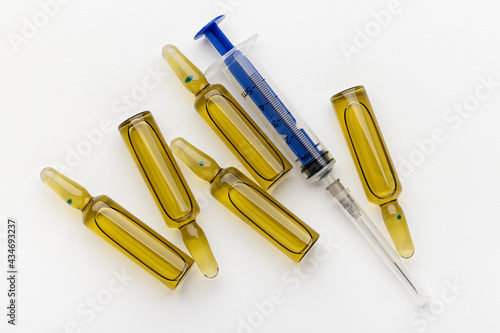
x=274, y=110
x=285, y=116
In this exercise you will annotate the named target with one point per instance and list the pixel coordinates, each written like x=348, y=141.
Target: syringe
x=314, y=161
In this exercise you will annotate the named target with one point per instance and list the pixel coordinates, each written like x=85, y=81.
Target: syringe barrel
x=274, y=110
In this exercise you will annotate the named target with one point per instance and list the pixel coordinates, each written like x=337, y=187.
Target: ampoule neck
x=215, y=175
x=202, y=89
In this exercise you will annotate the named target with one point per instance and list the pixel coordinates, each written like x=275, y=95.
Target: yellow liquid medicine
x=373, y=162
x=123, y=231
x=167, y=185
x=227, y=118
x=249, y=202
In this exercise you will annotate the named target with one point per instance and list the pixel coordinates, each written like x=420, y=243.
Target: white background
x=69, y=75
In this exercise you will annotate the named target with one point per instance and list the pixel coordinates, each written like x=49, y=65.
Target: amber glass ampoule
x=373, y=162
x=123, y=230
x=249, y=202
x=168, y=186
x=227, y=118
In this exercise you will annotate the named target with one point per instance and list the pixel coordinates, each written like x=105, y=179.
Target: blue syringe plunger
x=313, y=160
x=213, y=33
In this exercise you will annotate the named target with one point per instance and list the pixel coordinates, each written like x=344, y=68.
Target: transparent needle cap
x=122, y=230
x=369, y=231
x=227, y=118
x=373, y=162
x=167, y=185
